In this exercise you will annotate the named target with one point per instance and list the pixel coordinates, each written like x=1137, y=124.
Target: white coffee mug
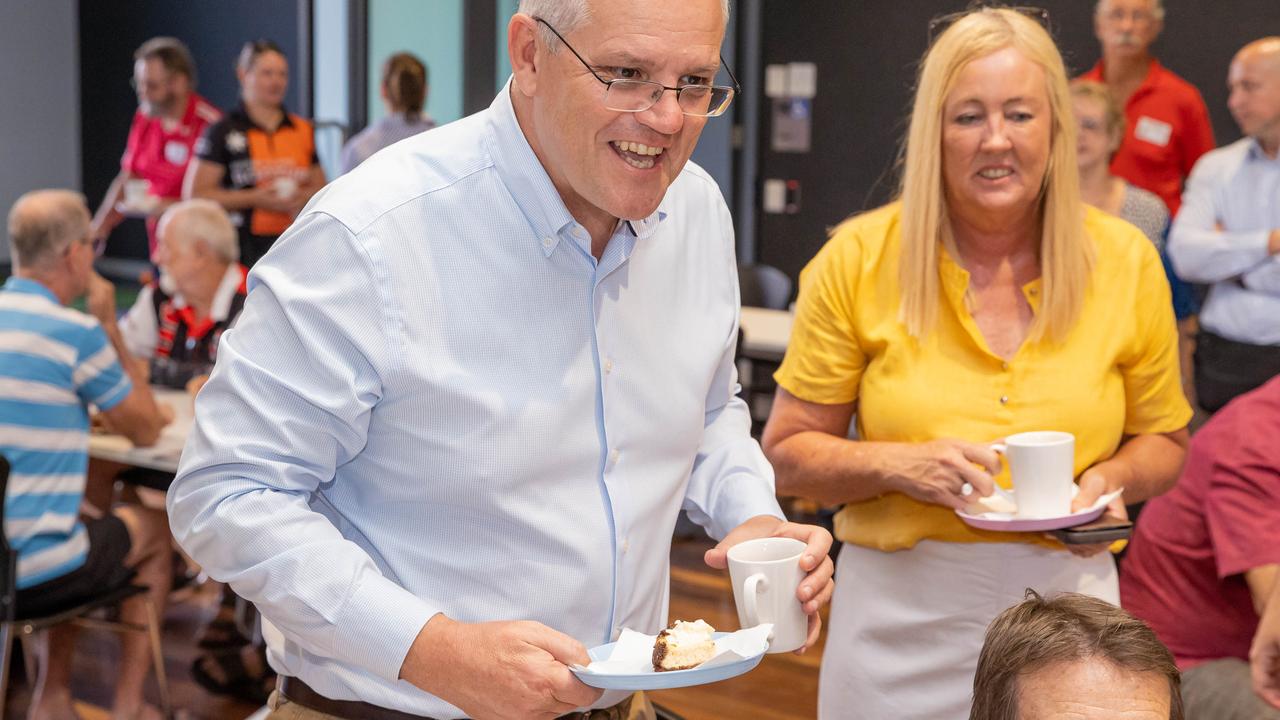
x=766, y=575
x=285, y=187
x=1042, y=467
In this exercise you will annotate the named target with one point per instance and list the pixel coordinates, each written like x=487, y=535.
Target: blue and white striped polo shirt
x=54, y=361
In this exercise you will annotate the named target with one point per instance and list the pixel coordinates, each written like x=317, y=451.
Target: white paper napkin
x=633, y=653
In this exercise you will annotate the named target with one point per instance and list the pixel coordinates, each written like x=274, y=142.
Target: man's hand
x=816, y=588
x=101, y=299
x=499, y=670
x=1264, y=656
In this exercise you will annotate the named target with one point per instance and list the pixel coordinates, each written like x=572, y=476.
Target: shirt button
x=1004, y=399
x=626, y=545
x=613, y=456
x=608, y=366
x=1004, y=366
x=547, y=242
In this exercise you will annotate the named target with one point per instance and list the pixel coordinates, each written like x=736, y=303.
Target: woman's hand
x=1094, y=483
x=935, y=472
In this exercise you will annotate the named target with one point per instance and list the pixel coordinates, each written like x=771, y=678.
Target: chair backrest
x=8, y=556
x=764, y=286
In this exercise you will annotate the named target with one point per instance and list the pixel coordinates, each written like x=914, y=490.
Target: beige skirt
x=907, y=626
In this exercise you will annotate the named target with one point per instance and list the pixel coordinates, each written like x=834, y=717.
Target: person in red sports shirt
x=1168, y=123
x=171, y=117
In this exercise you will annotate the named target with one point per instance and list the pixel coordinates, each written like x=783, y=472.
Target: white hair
x=1157, y=8
x=44, y=223
x=566, y=15
x=206, y=221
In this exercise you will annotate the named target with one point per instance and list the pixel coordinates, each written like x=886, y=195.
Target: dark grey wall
x=215, y=30
x=40, y=123
x=867, y=52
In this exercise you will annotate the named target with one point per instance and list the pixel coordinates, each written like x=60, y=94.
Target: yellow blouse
x=1114, y=374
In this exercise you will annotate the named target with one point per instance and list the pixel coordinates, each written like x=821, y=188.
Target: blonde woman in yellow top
x=988, y=300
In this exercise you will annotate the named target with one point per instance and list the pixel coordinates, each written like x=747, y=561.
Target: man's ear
x=522, y=48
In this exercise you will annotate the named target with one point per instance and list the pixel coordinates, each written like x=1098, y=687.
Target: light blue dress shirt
x=437, y=400
x=1230, y=206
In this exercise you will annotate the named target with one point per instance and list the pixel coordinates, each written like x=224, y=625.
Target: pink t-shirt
x=1184, y=574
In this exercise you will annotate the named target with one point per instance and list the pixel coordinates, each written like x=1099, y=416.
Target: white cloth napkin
x=633, y=653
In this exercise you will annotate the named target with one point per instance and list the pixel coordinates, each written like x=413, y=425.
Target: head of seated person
x=1073, y=656
x=195, y=244
x=49, y=241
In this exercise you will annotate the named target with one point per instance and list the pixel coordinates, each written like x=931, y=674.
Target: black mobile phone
x=1103, y=530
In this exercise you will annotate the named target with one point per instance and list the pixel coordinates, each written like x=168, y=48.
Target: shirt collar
x=1155, y=71
x=220, y=308
x=530, y=186
x=1253, y=151
x=243, y=115
x=27, y=286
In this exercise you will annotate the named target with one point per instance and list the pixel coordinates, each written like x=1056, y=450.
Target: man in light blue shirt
x=445, y=446
x=1228, y=234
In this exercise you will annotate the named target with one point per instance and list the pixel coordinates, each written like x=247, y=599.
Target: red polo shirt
x=1168, y=130
x=159, y=154
x=1184, y=574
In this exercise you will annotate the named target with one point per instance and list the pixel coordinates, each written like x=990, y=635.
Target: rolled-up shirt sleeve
x=288, y=403
x=1201, y=248
x=731, y=480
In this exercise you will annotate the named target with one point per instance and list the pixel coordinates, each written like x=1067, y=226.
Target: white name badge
x=1153, y=131
x=175, y=152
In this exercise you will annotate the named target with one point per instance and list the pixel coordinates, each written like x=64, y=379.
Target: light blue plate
x=664, y=680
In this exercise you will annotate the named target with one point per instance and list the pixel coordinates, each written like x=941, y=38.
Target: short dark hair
x=171, y=53
x=405, y=78
x=252, y=49
x=1039, y=632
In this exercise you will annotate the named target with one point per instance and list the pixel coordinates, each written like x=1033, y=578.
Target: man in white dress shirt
x=1228, y=235
x=445, y=446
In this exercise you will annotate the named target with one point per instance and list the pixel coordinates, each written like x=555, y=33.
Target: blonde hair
x=1094, y=90
x=1066, y=252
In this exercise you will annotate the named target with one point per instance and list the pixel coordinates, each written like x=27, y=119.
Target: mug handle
x=750, y=587
x=1000, y=448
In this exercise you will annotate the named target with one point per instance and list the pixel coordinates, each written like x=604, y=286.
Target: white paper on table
x=633, y=653
x=995, y=507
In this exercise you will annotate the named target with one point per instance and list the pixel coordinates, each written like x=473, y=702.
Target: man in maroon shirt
x=1205, y=556
x=169, y=120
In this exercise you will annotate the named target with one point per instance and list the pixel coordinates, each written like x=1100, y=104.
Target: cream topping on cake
x=683, y=645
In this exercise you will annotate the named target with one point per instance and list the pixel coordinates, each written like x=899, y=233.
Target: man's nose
x=665, y=116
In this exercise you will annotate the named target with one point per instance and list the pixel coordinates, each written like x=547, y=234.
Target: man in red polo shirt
x=169, y=120
x=1168, y=123
x=1205, y=556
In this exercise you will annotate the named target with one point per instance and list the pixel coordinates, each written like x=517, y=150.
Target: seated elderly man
x=54, y=363
x=177, y=321
x=1204, y=558
x=1073, y=656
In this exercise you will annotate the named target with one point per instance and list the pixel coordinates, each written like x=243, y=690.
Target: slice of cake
x=683, y=645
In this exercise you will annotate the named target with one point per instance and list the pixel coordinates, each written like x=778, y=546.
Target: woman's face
x=1094, y=141
x=266, y=80
x=996, y=128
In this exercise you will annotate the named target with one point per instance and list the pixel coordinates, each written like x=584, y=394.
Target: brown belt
x=299, y=692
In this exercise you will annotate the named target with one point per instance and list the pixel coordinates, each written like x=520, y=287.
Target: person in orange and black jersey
x=260, y=161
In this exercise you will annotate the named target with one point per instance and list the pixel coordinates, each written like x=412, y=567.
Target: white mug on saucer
x=1042, y=466
x=766, y=575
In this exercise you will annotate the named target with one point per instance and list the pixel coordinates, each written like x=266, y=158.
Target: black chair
x=12, y=621
x=767, y=287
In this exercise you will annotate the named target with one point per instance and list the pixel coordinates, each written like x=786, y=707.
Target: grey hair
x=1157, y=8
x=44, y=223
x=206, y=221
x=567, y=15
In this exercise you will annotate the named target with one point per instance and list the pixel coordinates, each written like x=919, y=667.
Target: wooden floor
x=783, y=687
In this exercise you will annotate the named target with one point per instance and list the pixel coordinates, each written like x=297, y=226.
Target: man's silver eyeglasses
x=624, y=95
